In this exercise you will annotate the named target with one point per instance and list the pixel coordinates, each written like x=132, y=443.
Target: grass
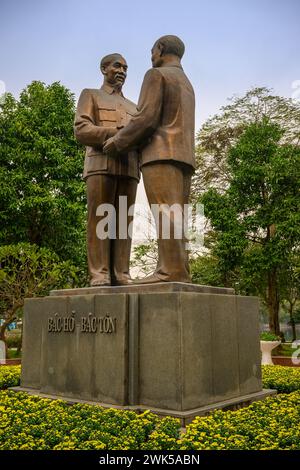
x=284, y=349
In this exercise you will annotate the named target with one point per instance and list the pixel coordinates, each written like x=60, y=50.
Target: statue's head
x=166, y=46
x=114, y=69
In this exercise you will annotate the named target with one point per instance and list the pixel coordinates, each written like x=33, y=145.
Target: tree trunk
x=292, y=321
x=273, y=303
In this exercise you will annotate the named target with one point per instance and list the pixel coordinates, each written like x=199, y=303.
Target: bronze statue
x=100, y=114
x=164, y=127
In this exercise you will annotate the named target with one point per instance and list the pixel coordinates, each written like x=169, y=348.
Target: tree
x=257, y=216
x=144, y=258
x=290, y=290
x=222, y=131
x=204, y=270
x=29, y=271
x=42, y=195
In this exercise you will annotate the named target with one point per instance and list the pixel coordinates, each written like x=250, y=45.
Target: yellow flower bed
x=283, y=379
x=264, y=425
x=28, y=422
x=9, y=376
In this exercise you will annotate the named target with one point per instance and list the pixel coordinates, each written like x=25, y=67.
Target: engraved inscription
x=94, y=324
x=88, y=324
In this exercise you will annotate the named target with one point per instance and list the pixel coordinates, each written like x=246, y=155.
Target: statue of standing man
x=164, y=128
x=100, y=114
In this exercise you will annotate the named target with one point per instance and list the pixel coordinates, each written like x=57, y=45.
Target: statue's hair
x=108, y=59
x=171, y=45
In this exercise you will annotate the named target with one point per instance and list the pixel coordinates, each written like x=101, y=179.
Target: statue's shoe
x=155, y=278
x=100, y=282
x=152, y=279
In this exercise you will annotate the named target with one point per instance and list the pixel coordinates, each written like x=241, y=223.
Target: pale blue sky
x=231, y=45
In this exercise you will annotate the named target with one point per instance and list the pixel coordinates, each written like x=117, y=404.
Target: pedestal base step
x=185, y=417
x=145, y=289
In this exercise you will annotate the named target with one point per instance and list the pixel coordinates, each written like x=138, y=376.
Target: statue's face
x=116, y=71
x=156, y=56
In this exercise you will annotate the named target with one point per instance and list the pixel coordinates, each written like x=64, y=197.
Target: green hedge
x=9, y=376
x=29, y=422
x=264, y=425
x=283, y=379
x=14, y=340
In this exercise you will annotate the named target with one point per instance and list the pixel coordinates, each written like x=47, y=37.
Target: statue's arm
x=147, y=118
x=85, y=129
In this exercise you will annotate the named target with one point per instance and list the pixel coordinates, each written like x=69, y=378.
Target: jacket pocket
x=95, y=162
x=107, y=117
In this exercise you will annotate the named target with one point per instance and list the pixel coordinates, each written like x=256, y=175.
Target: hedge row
x=265, y=425
x=283, y=379
x=28, y=422
x=9, y=376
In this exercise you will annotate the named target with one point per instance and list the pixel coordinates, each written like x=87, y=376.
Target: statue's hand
x=109, y=147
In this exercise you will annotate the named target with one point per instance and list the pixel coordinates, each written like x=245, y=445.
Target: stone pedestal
x=171, y=347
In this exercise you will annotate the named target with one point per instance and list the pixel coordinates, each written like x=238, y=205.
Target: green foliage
x=221, y=132
x=265, y=425
x=14, y=354
x=284, y=349
x=268, y=336
x=14, y=340
x=282, y=379
x=248, y=172
x=42, y=195
x=257, y=217
x=28, y=422
x=9, y=376
x=296, y=315
x=144, y=258
x=204, y=270
x=262, y=195
x=29, y=271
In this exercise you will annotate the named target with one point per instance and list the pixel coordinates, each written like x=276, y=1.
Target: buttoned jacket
x=99, y=115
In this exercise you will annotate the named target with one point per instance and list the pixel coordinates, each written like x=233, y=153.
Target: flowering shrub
x=264, y=425
x=9, y=376
x=30, y=422
x=283, y=379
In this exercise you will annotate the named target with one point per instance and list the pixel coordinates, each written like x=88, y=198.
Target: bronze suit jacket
x=99, y=115
x=165, y=118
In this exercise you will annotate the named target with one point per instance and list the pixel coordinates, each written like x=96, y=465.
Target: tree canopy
x=42, y=195
x=257, y=216
x=29, y=271
x=221, y=132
